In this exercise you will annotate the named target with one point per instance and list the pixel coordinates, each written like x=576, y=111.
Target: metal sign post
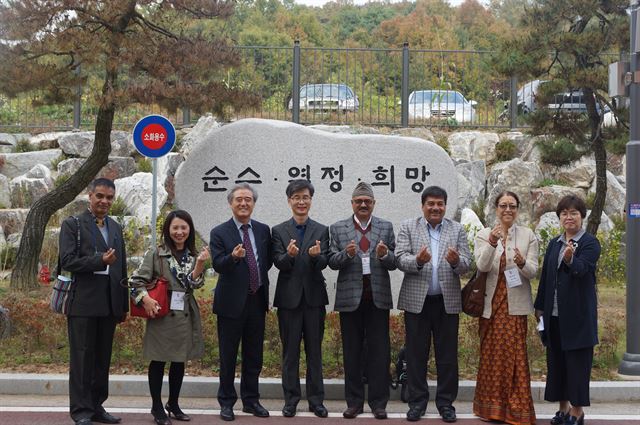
x=630, y=364
x=154, y=136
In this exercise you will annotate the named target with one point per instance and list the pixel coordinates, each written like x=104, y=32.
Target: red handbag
x=158, y=289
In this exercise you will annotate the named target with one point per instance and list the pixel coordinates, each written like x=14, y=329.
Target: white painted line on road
x=214, y=412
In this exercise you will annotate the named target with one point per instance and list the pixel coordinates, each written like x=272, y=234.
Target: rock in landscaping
x=473, y=146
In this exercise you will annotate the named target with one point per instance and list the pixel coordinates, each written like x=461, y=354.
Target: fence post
x=77, y=103
x=513, y=103
x=295, y=86
x=404, y=93
x=186, y=116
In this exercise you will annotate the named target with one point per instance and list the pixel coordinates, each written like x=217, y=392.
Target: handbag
x=64, y=287
x=158, y=289
x=473, y=294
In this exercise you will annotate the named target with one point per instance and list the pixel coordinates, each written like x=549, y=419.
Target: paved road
x=42, y=410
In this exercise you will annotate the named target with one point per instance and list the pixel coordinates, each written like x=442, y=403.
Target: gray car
x=327, y=98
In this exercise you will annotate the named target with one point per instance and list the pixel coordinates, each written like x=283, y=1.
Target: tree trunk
x=600, y=154
x=24, y=274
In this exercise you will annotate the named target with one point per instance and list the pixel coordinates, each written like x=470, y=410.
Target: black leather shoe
x=559, y=418
x=572, y=420
x=319, y=410
x=379, y=413
x=176, y=412
x=289, y=411
x=415, y=413
x=84, y=421
x=256, y=409
x=226, y=413
x=448, y=414
x=352, y=412
x=105, y=418
x=160, y=417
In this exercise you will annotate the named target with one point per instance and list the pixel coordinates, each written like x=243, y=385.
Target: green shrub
x=478, y=208
x=617, y=146
x=505, y=150
x=611, y=268
x=559, y=151
x=144, y=165
x=119, y=208
x=59, y=181
x=7, y=257
x=549, y=182
x=443, y=141
x=24, y=146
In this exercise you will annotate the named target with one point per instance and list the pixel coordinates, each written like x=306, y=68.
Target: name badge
x=177, y=301
x=366, y=265
x=513, y=276
x=103, y=272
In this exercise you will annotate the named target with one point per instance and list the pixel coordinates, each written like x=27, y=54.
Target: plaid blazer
x=412, y=236
x=349, y=287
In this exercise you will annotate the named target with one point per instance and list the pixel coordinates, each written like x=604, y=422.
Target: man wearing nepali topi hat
x=362, y=249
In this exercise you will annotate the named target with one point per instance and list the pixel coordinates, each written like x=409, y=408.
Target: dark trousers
x=432, y=320
x=90, y=342
x=370, y=325
x=568, y=372
x=248, y=328
x=295, y=324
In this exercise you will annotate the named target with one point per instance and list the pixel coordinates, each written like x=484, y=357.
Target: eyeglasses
x=367, y=202
x=304, y=199
x=508, y=207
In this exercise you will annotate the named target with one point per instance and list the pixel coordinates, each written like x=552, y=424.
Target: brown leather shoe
x=379, y=413
x=352, y=412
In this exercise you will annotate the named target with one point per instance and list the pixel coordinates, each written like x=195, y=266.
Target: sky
x=321, y=2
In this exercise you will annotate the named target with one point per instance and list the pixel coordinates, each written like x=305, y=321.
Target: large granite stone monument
x=268, y=154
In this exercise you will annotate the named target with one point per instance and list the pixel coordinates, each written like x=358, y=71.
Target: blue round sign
x=154, y=136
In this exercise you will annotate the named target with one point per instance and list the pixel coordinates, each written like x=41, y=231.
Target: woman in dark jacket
x=176, y=337
x=566, y=306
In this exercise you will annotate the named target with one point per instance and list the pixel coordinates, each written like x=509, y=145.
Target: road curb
x=271, y=388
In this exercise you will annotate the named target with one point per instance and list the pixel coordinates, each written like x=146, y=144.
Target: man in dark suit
x=300, y=247
x=99, y=301
x=241, y=254
x=361, y=248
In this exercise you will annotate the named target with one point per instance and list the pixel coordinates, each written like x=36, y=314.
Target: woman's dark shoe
x=177, y=413
x=160, y=417
x=559, y=418
x=572, y=420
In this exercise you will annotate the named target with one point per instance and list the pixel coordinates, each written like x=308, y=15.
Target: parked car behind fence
x=441, y=105
x=327, y=98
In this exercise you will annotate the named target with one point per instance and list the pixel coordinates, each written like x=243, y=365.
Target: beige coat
x=176, y=337
x=488, y=260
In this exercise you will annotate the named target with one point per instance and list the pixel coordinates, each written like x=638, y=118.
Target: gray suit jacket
x=349, y=288
x=412, y=236
x=301, y=276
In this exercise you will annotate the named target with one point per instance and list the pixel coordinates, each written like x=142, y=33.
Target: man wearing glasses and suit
x=362, y=249
x=300, y=246
x=433, y=253
x=241, y=254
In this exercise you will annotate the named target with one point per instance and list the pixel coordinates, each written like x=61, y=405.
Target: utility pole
x=630, y=364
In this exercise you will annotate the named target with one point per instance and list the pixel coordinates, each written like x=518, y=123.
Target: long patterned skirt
x=503, y=388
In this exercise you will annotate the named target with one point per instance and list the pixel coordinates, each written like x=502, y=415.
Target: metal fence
x=308, y=85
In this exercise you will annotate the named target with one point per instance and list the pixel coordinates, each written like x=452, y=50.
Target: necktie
x=300, y=228
x=254, y=277
x=364, y=242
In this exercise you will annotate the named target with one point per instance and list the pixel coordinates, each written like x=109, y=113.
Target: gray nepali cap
x=363, y=189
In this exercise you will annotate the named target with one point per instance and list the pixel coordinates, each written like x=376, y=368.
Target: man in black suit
x=241, y=254
x=300, y=247
x=98, y=303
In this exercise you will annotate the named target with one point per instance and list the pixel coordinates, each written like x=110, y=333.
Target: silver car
x=327, y=98
x=441, y=104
